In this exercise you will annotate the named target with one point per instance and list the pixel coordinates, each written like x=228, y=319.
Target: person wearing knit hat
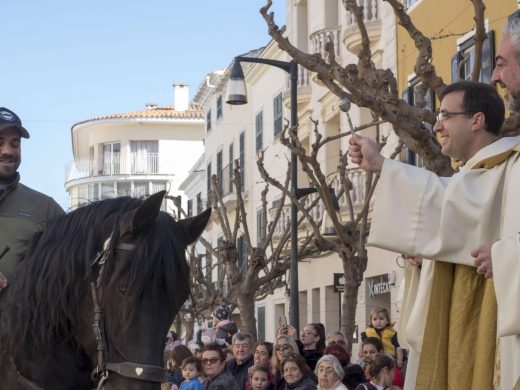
x=224, y=327
x=221, y=313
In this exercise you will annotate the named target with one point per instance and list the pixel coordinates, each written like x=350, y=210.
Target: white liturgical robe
x=445, y=219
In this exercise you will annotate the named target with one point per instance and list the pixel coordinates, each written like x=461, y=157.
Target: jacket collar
x=10, y=186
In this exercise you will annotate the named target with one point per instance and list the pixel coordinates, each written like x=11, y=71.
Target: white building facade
x=136, y=153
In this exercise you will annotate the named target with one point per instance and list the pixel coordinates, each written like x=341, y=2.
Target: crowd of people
x=294, y=361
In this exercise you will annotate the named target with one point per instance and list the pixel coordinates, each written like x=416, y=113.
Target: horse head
x=103, y=298
x=142, y=290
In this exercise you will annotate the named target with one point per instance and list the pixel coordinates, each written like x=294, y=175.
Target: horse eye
x=123, y=288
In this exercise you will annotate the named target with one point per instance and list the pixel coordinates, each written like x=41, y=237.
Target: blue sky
x=66, y=61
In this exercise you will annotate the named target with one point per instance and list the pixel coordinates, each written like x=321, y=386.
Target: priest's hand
x=364, y=152
x=483, y=263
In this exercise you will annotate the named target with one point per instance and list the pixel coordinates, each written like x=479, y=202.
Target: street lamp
x=236, y=94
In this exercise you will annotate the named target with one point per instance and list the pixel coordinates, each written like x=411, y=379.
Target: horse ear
x=194, y=226
x=146, y=212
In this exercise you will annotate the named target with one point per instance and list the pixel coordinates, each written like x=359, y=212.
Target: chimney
x=151, y=106
x=181, y=96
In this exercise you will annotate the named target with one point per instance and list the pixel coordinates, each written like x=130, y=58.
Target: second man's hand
x=363, y=151
x=482, y=256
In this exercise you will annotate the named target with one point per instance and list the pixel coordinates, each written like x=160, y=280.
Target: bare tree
x=350, y=234
x=375, y=89
x=264, y=263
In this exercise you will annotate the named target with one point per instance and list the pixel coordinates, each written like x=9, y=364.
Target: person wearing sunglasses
x=214, y=366
x=337, y=338
x=312, y=343
x=283, y=346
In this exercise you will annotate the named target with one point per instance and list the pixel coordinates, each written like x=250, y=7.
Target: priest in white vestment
x=447, y=219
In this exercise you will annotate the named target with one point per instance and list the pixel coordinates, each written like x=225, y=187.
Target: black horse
x=94, y=296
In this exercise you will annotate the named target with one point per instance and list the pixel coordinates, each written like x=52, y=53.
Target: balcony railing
x=321, y=37
x=135, y=164
x=144, y=163
x=351, y=36
x=370, y=13
x=358, y=193
x=303, y=78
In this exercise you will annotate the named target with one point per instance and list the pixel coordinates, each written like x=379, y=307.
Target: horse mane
x=46, y=301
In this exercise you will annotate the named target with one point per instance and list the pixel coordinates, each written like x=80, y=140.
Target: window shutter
x=488, y=58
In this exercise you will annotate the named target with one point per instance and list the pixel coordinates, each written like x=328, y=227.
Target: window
x=208, y=182
x=242, y=160
x=259, y=126
x=93, y=192
x=82, y=195
x=108, y=190
x=241, y=256
x=111, y=159
x=230, y=168
x=144, y=157
x=208, y=121
x=260, y=315
x=90, y=165
x=411, y=95
x=463, y=61
x=155, y=187
x=190, y=207
x=409, y=3
x=260, y=225
x=219, y=171
x=278, y=114
x=220, y=267
x=124, y=188
x=200, y=205
x=141, y=188
x=219, y=107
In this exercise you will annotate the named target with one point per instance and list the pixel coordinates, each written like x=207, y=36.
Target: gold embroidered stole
x=458, y=350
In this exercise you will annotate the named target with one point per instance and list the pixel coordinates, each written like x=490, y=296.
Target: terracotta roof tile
x=193, y=112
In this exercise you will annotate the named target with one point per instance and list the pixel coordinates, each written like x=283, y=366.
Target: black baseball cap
x=9, y=119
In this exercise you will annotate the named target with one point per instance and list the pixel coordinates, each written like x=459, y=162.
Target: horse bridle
x=130, y=370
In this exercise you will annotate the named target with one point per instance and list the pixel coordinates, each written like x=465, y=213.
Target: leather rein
x=129, y=370
x=100, y=374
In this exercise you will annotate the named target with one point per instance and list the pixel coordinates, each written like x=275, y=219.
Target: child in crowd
x=224, y=327
x=382, y=328
x=191, y=370
x=381, y=370
x=260, y=378
x=222, y=331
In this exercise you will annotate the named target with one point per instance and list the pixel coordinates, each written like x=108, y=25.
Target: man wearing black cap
x=23, y=211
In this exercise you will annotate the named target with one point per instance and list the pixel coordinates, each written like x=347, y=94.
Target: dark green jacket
x=23, y=212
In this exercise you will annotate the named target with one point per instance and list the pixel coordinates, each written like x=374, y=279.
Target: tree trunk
x=190, y=328
x=350, y=293
x=246, y=305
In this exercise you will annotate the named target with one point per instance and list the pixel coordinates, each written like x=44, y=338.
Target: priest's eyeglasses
x=443, y=115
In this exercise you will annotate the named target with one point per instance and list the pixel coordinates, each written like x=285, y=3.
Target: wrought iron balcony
x=116, y=164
